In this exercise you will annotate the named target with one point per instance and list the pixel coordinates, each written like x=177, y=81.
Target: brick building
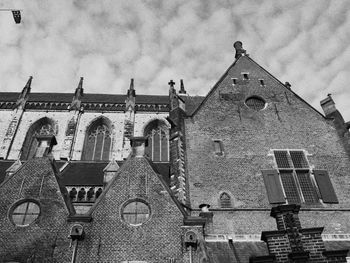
x=249, y=173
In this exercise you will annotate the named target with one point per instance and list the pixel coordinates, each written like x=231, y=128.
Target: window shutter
x=273, y=186
x=325, y=186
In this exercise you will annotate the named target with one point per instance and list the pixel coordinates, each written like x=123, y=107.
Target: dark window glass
x=255, y=103
x=290, y=188
x=225, y=201
x=44, y=126
x=299, y=160
x=25, y=213
x=308, y=190
x=136, y=213
x=157, y=134
x=282, y=159
x=98, y=141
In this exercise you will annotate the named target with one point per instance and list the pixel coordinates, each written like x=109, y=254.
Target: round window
x=255, y=103
x=136, y=212
x=25, y=213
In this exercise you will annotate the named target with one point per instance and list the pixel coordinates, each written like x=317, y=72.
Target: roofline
x=120, y=170
x=224, y=75
x=213, y=88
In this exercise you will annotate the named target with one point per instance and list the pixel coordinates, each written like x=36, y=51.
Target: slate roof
x=337, y=245
x=89, y=173
x=4, y=165
x=235, y=252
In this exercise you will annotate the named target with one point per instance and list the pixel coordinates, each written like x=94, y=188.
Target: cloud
x=108, y=42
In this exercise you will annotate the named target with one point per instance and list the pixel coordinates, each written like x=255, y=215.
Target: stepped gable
x=45, y=237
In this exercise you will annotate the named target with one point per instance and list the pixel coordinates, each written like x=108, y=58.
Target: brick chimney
x=45, y=145
x=138, y=145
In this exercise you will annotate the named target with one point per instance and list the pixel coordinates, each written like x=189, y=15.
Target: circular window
x=255, y=103
x=25, y=213
x=136, y=212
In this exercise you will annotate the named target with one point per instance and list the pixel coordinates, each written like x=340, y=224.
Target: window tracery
x=98, y=141
x=157, y=133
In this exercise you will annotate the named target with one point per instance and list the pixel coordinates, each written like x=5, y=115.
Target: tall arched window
x=225, y=201
x=157, y=133
x=44, y=126
x=98, y=141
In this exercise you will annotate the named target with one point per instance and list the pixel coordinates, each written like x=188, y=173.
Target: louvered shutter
x=325, y=186
x=273, y=186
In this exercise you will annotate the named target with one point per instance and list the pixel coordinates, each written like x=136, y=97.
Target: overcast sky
x=108, y=42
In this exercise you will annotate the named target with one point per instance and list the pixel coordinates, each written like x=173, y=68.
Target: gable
x=149, y=239
x=35, y=182
x=235, y=88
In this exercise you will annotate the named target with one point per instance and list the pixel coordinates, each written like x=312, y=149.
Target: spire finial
x=131, y=90
x=29, y=82
x=238, y=45
x=182, y=87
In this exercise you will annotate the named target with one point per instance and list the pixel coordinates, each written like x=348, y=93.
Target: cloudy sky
x=108, y=42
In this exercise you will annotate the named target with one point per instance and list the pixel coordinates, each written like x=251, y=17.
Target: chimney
x=328, y=105
x=138, y=145
x=238, y=45
x=45, y=145
x=205, y=213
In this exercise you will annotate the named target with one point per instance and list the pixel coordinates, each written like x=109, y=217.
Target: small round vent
x=255, y=103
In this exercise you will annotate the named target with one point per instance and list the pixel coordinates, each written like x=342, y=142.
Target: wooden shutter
x=325, y=186
x=273, y=186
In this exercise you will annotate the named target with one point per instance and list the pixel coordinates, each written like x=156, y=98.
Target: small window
x=255, y=103
x=218, y=148
x=225, y=201
x=25, y=213
x=245, y=76
x=262, y=83
x=136, y=212
x=234, y=81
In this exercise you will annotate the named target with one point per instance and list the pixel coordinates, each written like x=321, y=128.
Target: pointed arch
x=157, y=133
x=225, y=200
x=98, y=140
x=43, y=126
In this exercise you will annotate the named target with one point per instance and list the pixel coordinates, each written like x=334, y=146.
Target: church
x=248, y=173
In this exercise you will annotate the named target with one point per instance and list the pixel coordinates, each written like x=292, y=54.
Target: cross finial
x=171, y=83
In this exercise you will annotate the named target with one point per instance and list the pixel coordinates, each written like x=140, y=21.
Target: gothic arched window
x=44, y=126
x=98, y=141
x=225, y=201
x=157, y=133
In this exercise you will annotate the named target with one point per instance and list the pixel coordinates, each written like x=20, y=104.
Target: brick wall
x=110, y=239
x=248, y=136
x=45, y=240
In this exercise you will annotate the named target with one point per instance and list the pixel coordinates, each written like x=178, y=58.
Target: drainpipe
x=76, y=234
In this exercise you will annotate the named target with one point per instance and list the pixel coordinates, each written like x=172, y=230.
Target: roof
x=95, y=102
x=337, y=245
x=4, y=165
x=232, y=252
x=90, y=173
